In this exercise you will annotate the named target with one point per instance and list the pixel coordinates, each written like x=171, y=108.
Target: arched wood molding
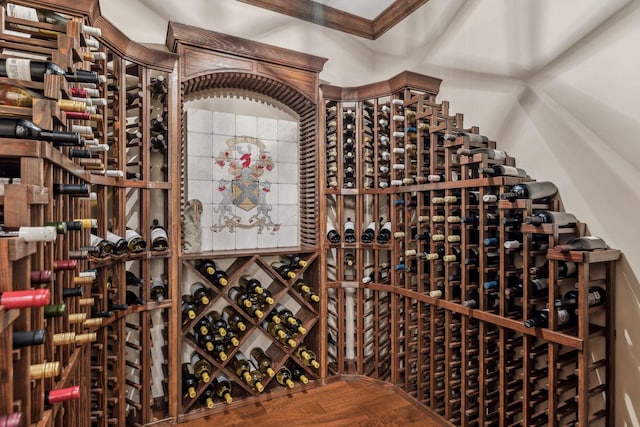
x=212, y=63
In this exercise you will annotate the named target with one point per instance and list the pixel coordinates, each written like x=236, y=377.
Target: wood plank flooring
x=353, y=403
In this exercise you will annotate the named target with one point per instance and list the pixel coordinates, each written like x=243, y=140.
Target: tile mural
x=244, y=171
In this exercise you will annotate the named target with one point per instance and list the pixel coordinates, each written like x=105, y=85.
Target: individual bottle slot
x=502, y=170
x=223, y=388
x=189, y=381
x=562, y=219
x=262, y=361
x=25, y=299
x=306, y=356
x=284, y=377
x=159, y=237
x=134, y=241
x=585, y=243
x=542, y=190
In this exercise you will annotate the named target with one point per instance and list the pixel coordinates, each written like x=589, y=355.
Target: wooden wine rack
x=391, y=313
x=401, y=311
x=123, y=369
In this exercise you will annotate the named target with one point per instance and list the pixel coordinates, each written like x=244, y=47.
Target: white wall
x=555, y=83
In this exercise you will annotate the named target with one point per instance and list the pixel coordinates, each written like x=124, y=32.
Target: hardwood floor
x=354, y=403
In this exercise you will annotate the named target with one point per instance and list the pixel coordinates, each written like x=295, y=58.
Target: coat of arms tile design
x=244, y=169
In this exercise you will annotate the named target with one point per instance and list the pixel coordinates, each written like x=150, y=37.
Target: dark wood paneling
x=213, y=41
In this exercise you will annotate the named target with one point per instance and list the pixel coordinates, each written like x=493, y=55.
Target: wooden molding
x=336, y=19
x=405, y=79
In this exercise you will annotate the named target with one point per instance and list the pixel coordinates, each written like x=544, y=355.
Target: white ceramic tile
x=268, y=239
x=288, y=173
x=267, y=128
x=224, y=239
x=246, y=238
x=219, y=145
x=288, y=215
x=200, y=168
x=224, y=123
x=287, y=131
x=287, y=152
x=199, y=144
x=199, y=121
x=246, y=126
x=200, y=190
x=207, y=239
x=206, y=219
x=287, y=194
x=288, y=236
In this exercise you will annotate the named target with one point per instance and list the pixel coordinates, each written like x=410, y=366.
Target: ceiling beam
x=310, y=11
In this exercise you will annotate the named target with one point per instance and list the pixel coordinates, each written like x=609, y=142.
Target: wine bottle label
x=594, y=298
x=22, y=12
x=19, y=69
x=158, y=233
x=563, y=317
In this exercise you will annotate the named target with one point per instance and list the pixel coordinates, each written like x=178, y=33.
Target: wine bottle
x=101, y=248
x=217, y=323
x=188, y=309
x=222, y=386
x=473, y=137
x=219, y=278
x=44, y=370
x=30, y=234
x=306, y=291
x=200, y=293
x=40, y=277
x=242, y=367
x=54, y=310
x=280, y=333
x=25, y=129
x=385, y=233
x=502, y=170
x=206, y=267
x=118, y=244
x=562, y=219
x=52, y=397
x=531, y=190
x=250, y=284
x=306, y=356
x=207, y=397
x=332, y=235
x=158, y=291
x=585, y=243
x=15, y=419
x=540, y=319
x=233, y=318
x=159, y=238
x=293, y=323
x=349, y=231
x=135, y=242
x=240, y=297
x=262, y=361
x=34, y=71
x=295, y=261
x=285, y=377
x=369, y=233
x=297, y=373
x=283, y=270
x=201, y=367
x=24, y=299
x=28, y=338
x=189, y=381
x=47, y=16
x=491, y=153
x=597, y=296
x=133, y=299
